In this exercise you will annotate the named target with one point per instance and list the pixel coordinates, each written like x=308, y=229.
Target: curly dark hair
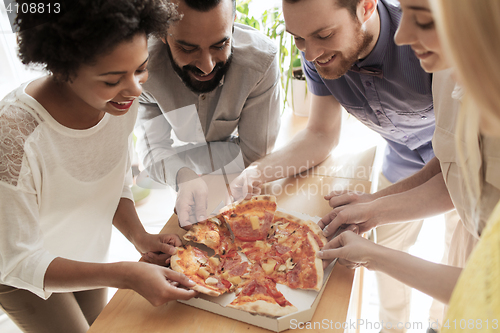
x=206, y=5
x=85, y=29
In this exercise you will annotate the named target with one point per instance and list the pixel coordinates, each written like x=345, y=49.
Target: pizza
x=277, y=247
x=250, y=220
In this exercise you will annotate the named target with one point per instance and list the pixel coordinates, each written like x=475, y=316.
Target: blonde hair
x=470, y=30
x=470, y=33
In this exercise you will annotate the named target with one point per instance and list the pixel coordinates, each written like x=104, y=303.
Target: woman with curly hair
x=65, y=169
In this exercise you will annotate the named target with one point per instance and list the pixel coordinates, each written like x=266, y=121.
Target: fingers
x=201, y=204
x=167, y=249
x=174, y=240
x=329, y=254
x=334, y=194
x=183, y=215
x=327, y=219
x=342, y=200
x=334, y=243
x=334, y=220
x=179, y=277
x=354, y=228
x=175, y=292
x=157, y=258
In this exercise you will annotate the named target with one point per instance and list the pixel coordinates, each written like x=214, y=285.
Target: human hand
x=342, y=198
x=247, y=184
x=157, y=284
x=157, y=249
x=351, y=250
x=349, y=208
x=192, y=202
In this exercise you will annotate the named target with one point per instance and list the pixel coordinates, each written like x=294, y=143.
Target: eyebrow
x=419, y=8
x=123, y=72
x=194, y=45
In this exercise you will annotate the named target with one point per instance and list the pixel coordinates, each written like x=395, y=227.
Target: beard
x=201, y=87
x=345, y=61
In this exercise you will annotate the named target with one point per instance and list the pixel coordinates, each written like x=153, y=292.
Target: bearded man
x=351, y=61
x=210, y=81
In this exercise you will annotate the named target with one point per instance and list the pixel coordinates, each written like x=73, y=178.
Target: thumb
x=201, y=204
x=330, y=254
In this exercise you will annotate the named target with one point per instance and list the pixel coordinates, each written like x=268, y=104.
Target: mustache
x=196, y=70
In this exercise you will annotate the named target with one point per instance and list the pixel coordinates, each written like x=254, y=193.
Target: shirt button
x=379, y=112
x=405, y=137
x=393, y=131
x=424, y=117
x=368, y=83
x=203, y=97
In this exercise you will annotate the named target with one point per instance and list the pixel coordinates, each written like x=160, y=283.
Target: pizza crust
x=265, y=308
x=268, y=198
x=318, y=263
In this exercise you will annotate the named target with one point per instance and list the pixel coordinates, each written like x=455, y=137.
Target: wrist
x=374, y=257
x=257, y=173
x=140, y=240
x=122, y=275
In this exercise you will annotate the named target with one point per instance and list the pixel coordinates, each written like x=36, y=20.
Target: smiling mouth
x=422, y=54
x=325, y=62
x=203, y=77
x=122, y=105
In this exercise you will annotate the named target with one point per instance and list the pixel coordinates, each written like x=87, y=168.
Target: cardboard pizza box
x=306, y=301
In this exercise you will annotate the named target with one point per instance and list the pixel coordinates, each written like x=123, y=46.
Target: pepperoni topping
x=249, y=289
x=239, y=269
x=281, y=249
x=226, y=283
x=293, y=277
x=230, y=263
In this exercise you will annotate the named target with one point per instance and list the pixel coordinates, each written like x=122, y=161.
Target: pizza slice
x=201, y=269
x=260, y=296
x=296, y=243
x=214, y=234
x=250, y=219
x=302, y=269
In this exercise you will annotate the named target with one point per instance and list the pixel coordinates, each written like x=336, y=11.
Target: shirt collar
x=377, y=55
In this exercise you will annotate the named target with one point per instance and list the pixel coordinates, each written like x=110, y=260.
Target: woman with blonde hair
x=471, y=31
x=433, y=279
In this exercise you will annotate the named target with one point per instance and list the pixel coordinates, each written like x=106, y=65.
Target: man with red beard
x=210, y=81
x=351, y=61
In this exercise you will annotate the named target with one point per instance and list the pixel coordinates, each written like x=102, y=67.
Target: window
x=13, y=72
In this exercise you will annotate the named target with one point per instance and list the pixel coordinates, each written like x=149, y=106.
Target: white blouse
x=59, y=188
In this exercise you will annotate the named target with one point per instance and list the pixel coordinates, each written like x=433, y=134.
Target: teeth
x=324, y=62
